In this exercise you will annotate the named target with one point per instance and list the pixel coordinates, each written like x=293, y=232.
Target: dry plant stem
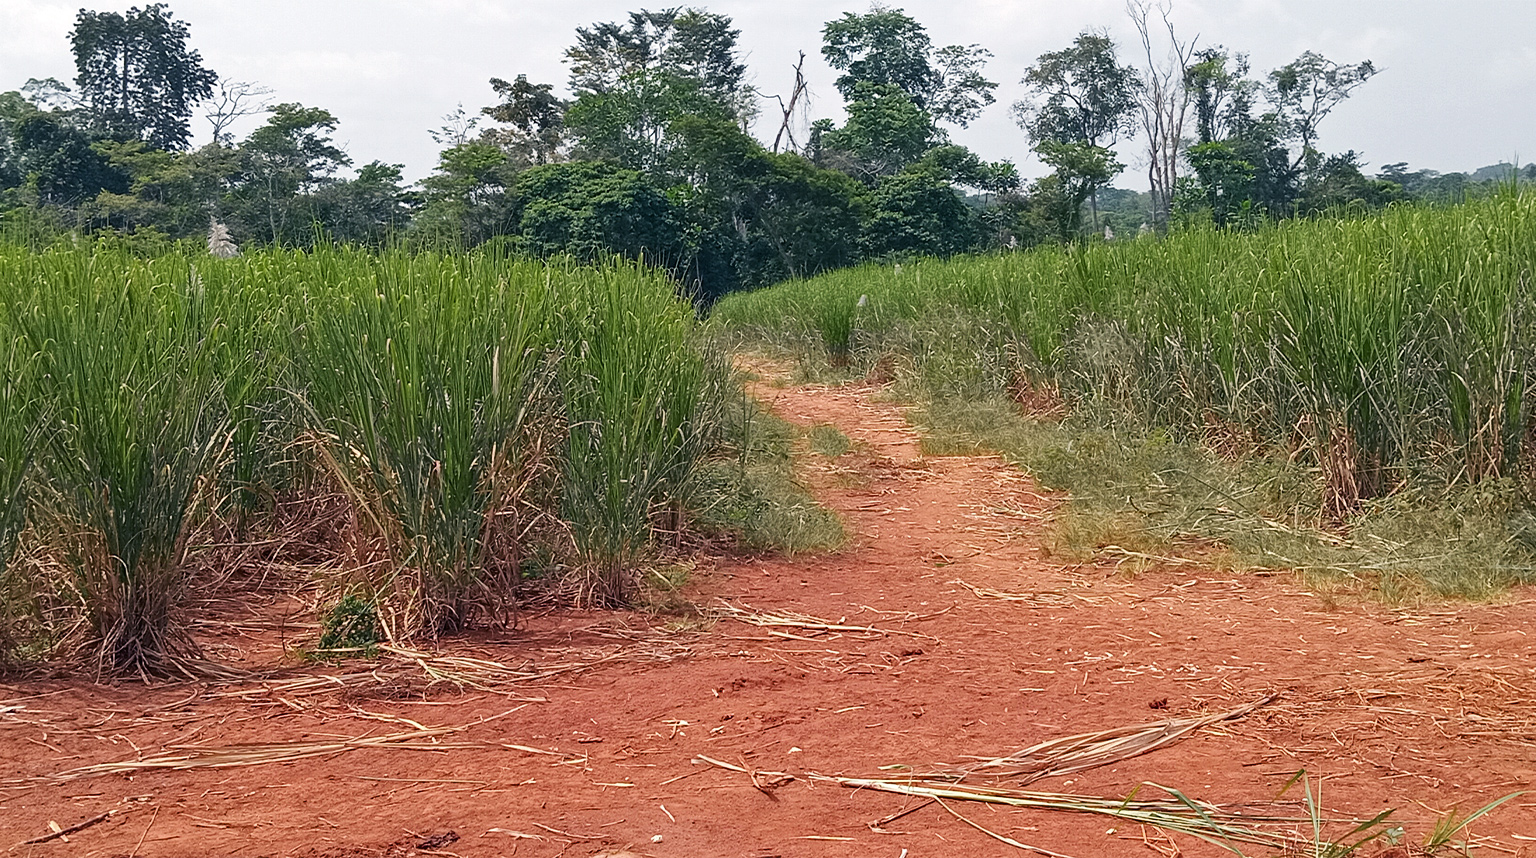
x=802, y=621
x=65, y=832
x=460, y=671
x=1196, y=819
x=568, y=834
x=1090, y=750
x=1062, y=756
x=140, y=844
x=883, y=821
x=994, y=835
x=254, y=755
x=1054, y=758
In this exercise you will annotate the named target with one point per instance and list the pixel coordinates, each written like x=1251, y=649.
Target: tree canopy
x=886, y=47
x=137, y=77
x=1080, y=94
x=650, y=150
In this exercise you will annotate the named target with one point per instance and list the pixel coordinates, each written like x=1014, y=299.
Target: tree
x=233, y=100
x=1248, y=173
x=1079, y=94
x=58, y=165
x=959, y=165
x=628, y=123
x=588, y=209
x=46, y=159
x=457, y=129
x=13, y=108
x=810, y=217
x=1082, y=168
x=174, y=192
x=1338, y=183
x=920, y=210
x=1081, y=100
x=632, y=82
x=1225, y=182
x=1244, y=161
x=691, y=44
x=368, y=209
x=137, y=77
x=536, y=118
x=144, y=203
x=917, y=212
x=283, y=162
x=1220, y=92
x=1305, y=90
x=887, y=47
x=1163, y=98
x=50, y=94
x=465, y=200
x=754, y=218
x=886, y=130
x=795, y=110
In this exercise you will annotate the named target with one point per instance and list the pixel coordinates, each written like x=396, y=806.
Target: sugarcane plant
x=136, y=425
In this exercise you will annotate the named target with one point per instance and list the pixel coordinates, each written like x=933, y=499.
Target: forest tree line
x=650, y=152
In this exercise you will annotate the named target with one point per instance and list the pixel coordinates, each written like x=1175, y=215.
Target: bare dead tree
x=458, y=128
x=786, y=128
x=232, y=100
x=1163, y=101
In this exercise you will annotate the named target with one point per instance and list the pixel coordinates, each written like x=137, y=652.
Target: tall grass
x=421, y=372
x=19, y=437
x=1379, y=348
x=475, y=410
x=125, y=368
x=256, y=300
x=637, y=418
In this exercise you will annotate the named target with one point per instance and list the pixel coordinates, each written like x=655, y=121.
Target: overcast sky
x=1454, y=92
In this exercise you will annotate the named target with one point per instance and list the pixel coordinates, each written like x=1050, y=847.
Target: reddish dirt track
x=1422, y=710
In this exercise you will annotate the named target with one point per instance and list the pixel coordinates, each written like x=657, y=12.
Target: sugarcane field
x=814, y=460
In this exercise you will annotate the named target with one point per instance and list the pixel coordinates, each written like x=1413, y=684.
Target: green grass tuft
x=751, y=491
x=828, y=440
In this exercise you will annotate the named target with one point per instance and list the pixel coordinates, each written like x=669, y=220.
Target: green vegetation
x=750, y=490
x=1138, y=495
x=126, y=367
x=1370, y=374
x=351, y=627
x=828, y=440
x=648, y=153
x=474, y=410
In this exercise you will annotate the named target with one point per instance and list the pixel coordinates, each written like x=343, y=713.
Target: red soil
x=1422, y=710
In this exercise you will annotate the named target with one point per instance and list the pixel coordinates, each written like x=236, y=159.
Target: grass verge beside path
x=750, y=489
x=1137, y=492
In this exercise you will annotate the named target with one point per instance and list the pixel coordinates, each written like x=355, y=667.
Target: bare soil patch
x=988, y=645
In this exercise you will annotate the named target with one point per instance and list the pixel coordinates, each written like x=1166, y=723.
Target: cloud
x=1511, y=68
x=34, y=43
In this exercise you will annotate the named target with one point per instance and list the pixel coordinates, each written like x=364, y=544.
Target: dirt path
x=992, y=646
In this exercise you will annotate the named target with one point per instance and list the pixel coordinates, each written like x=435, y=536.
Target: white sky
x=1454, y=93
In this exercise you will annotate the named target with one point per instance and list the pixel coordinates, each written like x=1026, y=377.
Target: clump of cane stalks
x=134, y=425
x=471, y=413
